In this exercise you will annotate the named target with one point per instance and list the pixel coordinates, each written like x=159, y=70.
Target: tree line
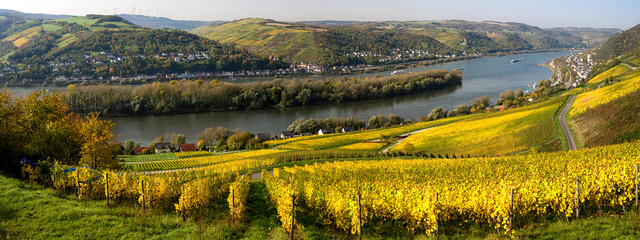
x=199, y=96
x=40, y=128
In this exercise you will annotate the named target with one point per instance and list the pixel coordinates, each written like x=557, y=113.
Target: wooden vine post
x=293, y=209
x=359, y=217
x=144, y=206
x=437, y=227
x=578, y=197
x=233, y=205
x=106, y=175
x=636, y=186
x=184, y=216
x=511, y=208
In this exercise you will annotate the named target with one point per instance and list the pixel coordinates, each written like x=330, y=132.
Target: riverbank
x=197, y=96
x=349, y=70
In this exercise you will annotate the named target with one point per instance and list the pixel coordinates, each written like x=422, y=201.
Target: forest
x=199, y=96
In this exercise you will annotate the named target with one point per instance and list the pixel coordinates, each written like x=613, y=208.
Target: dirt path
x=571, y=144
x=629, y=66
x=401, y=140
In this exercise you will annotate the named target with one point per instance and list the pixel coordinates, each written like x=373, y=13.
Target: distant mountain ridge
x=163, y=22
x=44, y=16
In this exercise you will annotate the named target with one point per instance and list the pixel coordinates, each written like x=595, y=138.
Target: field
x=82, y=21
x=493, y=134
x=613, y=72
x=336, y=140
x=266, y=38
x=628, y=83
x=50, y=27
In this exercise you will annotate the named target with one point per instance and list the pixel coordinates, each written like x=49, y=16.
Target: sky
x=621, y=14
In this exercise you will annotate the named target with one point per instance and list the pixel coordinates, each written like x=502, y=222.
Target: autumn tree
x=50, y=131
x=97, y=149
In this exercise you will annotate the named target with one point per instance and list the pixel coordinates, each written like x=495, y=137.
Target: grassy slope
x=502, y=133
x=266, y=38
x=32, y=211
x=613, y=122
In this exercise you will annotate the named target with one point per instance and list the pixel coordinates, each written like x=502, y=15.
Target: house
x=287, y=134
x=325, y=131
x=138, y=150
x=263, y=136
x=164, y=147
x=188, y=147
x=348, y=129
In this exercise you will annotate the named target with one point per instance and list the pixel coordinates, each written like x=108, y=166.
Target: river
x=490, y=76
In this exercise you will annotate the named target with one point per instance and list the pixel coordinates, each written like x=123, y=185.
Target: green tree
x=238, y=141
x=128, y=147
x=437, y=113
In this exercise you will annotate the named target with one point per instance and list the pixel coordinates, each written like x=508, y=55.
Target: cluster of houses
x=397, y=54
x=165, y=147
x=289, y=134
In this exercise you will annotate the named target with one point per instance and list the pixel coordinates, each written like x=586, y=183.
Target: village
x=70, y=69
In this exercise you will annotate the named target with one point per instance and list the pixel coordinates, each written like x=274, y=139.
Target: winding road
x=571, y=144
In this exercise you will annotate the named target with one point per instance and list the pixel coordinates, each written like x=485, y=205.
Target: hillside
x=591, y=37
x=333, y=43
x=268, y=38
x=619, y=44
x=98, y=46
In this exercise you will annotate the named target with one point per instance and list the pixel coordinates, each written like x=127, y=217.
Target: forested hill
x=340, y=43
x=620, y=44
x=99, y=46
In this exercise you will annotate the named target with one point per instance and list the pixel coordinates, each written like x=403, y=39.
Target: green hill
x=97, y=46
x=620, y=44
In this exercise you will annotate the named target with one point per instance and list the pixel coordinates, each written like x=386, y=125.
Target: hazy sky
x=622, y=14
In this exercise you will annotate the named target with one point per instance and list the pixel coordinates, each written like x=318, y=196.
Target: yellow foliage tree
x=97, y=149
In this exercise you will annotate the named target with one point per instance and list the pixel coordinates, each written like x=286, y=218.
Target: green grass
x=82, y=21
x=31, y=211
x=50, y=27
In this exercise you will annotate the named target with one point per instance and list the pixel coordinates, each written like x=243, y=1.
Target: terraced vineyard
x=336, y=140
x=148, y=157
x=193, y=162
x=492, y=134
x=628, y=82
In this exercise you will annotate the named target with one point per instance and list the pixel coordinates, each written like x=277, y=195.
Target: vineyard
x=629, y=82
x=467, y=189
x=495, y=134
x=148, y=157
x=613, y=72
x=320, y=142
x=200, y=159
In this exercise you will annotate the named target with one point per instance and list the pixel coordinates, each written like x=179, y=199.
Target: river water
x=490, y=76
